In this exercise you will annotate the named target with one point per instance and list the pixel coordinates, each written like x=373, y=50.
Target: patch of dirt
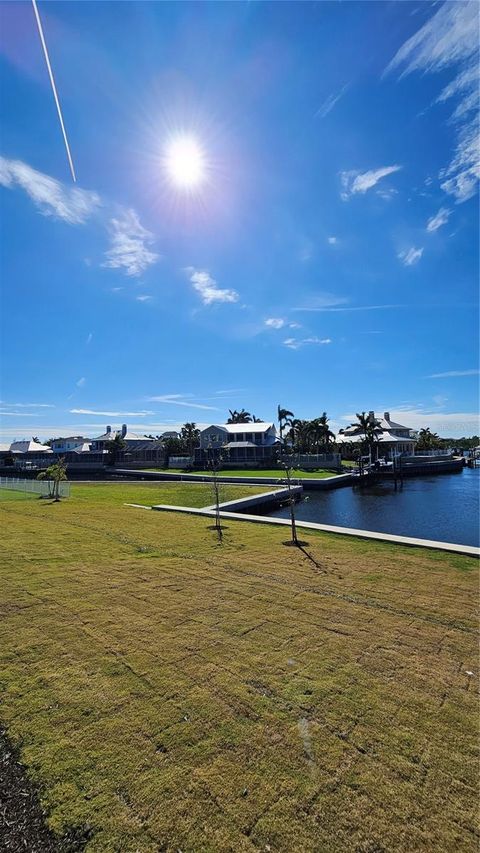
x=23, y=825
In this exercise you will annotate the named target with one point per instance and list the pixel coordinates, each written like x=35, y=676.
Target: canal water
x=444, y=507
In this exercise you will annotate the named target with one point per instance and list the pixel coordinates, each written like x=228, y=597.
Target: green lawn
x=176, y=493
x=256, y=472
x=174, y=694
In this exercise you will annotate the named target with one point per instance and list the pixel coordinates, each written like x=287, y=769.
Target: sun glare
x=185, y=162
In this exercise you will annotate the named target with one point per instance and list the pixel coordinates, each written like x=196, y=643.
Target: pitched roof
x=29, y=446
x=232, y=429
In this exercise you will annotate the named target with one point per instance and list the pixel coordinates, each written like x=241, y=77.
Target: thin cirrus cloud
x=141, y=414
x=81, y=382
x=28, y=405
x=440, y=218
x=452, y=374
x=354, y=181
x=144, y=298
x=50, y=196
x=129, y=250
x=410, y=257
x=179, y=400
x=296, y=343
x=207, y=287
x=130, y=241
x=330, y=102
x=449, y=42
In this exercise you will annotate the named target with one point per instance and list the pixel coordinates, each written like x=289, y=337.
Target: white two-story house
x=240, y=443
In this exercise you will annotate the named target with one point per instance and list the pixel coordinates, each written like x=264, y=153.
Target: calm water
x=443, y=507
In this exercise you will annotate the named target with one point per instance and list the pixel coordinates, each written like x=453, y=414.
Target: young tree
x=54, y=474
x=285, y=459
x=215, y=457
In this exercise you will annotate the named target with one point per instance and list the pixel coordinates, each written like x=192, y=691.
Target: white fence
x=38, y=487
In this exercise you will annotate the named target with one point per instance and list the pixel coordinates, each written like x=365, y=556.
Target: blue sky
x=328, y=261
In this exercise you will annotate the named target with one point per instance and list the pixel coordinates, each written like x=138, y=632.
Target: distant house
x=169, y=434
x=76, y=443
x=393, y=439
x=29, y=447
x=241, y=443
x=133, y=440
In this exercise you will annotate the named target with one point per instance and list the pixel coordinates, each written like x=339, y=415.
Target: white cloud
x=450, y=374
x=9, y=413
x=449, y=41
x=52, y=198
x=129, y=245
x=142, y=414
x=144, y=298
x=81, y=382
x=294, y=325
x=296, y=343
x=28, y=405
x=332, y=240
x=206, y=287
x=409, y=257
x=330, y=102
x=354, y=181
x=274, y=323
x=439, y=219
x=89, y=339
x=352, y=308
x=179, y=400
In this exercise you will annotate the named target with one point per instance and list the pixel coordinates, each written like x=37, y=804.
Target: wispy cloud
x=50, y=196
x=451, y=374
x=441, y=218
x=274, y=323
x=354, y=181
x=353, y=308
x=81, y=382
x=179, y=400
x=296, y=343
x=207, y=288
x=129, y=245
x=449, y=41
x=28, y=405
x=409, y=257
x=89, y=339
x=144, y=298
x=330, y=102
x=142, y=414
x=129, y=240
x=10, y=413
x=332, y=241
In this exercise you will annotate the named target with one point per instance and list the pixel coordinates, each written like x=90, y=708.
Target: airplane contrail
x=54, y=88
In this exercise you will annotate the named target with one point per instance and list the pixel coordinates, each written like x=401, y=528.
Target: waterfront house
x=133, y=440
x=27, y=446
x=76, y=443
x=248, y=443
x=393, y=439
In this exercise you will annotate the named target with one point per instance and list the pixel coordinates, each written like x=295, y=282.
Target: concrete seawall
x=308, y=483
x=207, y=512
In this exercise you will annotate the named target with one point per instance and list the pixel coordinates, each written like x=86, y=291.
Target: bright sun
x=185, y=162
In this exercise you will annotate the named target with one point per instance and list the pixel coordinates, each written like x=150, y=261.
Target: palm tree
x=369, y=427
x=300, y=435
x=285, y=418
x=428, y=440
x=190, y=435
x=55, y=473
x=321, y=434
x=114, y=446
x=241, y=417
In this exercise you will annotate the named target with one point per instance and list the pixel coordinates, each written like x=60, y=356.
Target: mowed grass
x=174, y=694
x=296, y=473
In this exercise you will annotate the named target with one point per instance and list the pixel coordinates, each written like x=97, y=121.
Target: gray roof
x=232, y=429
